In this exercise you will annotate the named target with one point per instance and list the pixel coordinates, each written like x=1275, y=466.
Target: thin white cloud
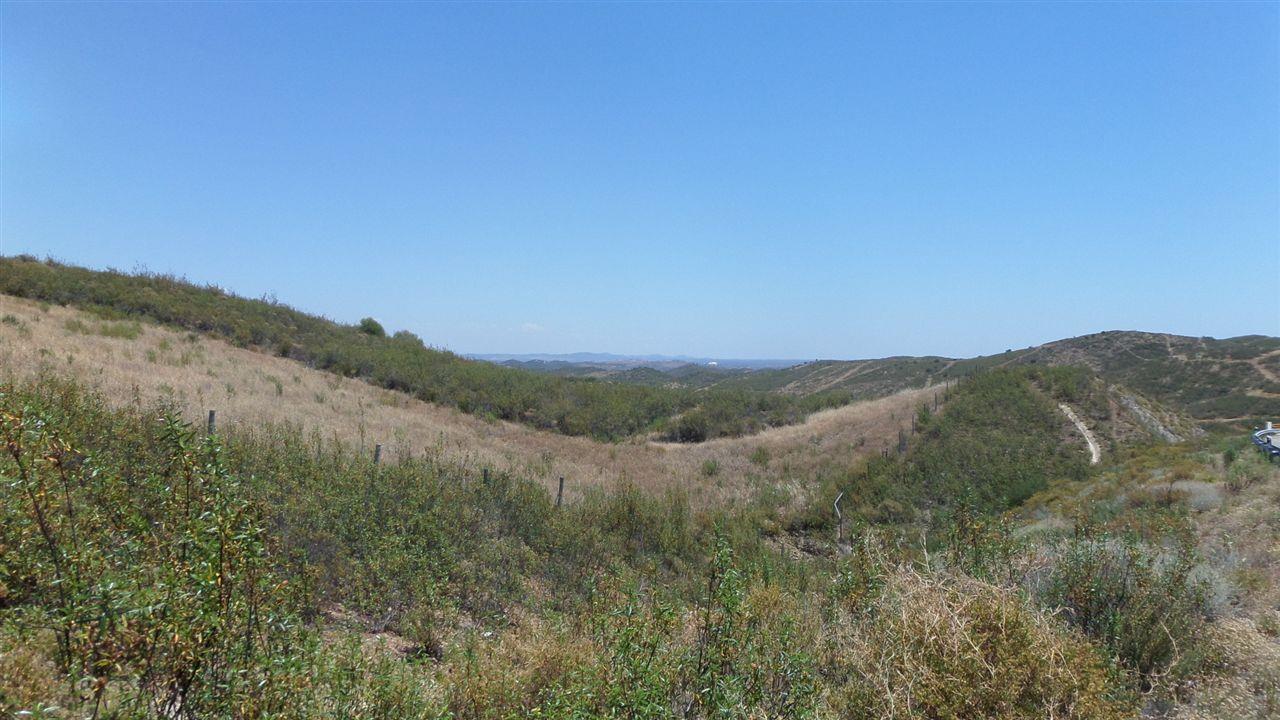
x=531, y=327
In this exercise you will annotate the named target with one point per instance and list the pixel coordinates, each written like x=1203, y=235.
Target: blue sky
x=768, y=180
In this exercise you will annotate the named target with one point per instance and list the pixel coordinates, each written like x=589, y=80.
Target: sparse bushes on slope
x=1204, y=376
x=740, y=652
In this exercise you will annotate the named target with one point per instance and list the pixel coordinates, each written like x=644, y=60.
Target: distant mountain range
x=660, y=362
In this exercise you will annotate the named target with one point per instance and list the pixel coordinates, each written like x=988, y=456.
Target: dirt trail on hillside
x=1095, y=452
x=1262, y=369
x=826, y=379
x=250, y=389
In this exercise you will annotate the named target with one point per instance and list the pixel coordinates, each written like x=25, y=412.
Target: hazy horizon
x=490, y=354
x=732, y=181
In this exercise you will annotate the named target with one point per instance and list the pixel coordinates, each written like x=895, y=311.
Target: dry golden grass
x=954, y=647
x=1246, y=686
x=249, y=388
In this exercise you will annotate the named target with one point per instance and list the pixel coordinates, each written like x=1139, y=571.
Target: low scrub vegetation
x=149, y=570
x=985, y=571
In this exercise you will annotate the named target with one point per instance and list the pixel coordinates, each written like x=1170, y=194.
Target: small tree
x=369, y=326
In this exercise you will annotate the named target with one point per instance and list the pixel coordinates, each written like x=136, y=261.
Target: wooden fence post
x=377, y=453
x=213, y=423
x=839, y=518
x=485, y=473
x=560, y=492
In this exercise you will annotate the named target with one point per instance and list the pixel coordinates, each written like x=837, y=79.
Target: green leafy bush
x=141, y=556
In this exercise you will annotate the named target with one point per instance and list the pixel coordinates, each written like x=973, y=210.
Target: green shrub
x=123, y=330
x=1146, y=606
x=143, y=556
x=75, y=325
x=1247, y=471
x=372, y=327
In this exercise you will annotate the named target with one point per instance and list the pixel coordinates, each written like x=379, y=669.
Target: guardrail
x=1266, y=441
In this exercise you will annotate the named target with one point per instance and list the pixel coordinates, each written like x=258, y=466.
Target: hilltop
x=631, y=361
x=1214, y=380
x=1234, y=380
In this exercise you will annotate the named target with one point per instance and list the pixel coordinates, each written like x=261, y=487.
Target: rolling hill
x=1227, y=380
x=966, y=511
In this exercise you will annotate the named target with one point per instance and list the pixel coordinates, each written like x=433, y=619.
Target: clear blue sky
x=769, y=180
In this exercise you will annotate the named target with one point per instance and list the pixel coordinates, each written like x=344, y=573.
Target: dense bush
x=741, y=651
x=997, y=442
x=369, y=326
x=127, y=539
x=1145, y=605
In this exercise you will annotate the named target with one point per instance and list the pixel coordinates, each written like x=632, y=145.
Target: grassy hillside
x=151, y=571
x=139, y=361
x=981, y=569
x=403, y=362
x=999, y=441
